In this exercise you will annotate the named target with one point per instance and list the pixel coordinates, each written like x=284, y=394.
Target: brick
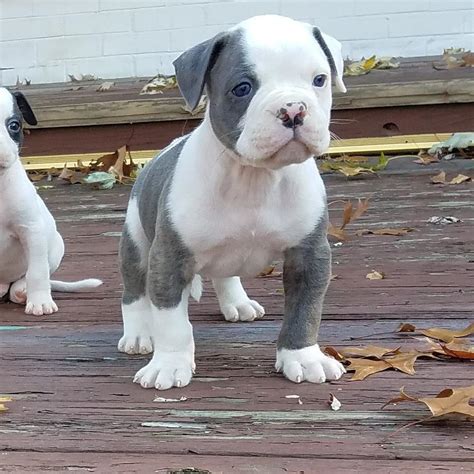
x=182, y=39
x=166, y=18
x=151, y=64
x=313, y=11
x=68, y=48
x=35, y=74
x=16, y=9
x=108, y=22
x=377, y=7
x=436, y=44
x=443, y=5
x=63, y=7
x=129, y=4
x=17, y=53
x=411, y=46
x=425, y=24
x=356, y=28
x=132, y=43
x=108, y=67
x=27, y=28
x=218, y=13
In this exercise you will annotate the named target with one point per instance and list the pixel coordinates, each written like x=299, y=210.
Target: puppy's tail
x=75, y=286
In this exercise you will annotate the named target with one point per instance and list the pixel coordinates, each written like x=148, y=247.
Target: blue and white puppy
x=31, y=248
x=237, y=193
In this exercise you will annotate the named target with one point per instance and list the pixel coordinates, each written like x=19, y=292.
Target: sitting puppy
x=31, y=249
x=237, y=193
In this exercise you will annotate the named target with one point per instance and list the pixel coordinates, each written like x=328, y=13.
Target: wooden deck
x=75, y=407
x=416, y=98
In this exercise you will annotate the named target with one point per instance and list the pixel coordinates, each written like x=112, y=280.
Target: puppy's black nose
x=292, y=114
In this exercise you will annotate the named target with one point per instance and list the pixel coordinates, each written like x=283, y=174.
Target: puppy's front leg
x=38, y=286
x=170, y=273
x=306, y=275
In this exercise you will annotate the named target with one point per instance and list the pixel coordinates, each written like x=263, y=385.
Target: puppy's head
x=13, y=109
x=268, y=82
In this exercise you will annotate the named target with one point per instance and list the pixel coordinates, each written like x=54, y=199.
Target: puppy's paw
x=40, y=304
x=247, y=310
x=135, y=344
x=166, y=370
x=308, y=364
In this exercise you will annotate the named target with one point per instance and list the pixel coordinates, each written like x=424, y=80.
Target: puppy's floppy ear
x=25, y=108
x=333, y=51
x=193, y=66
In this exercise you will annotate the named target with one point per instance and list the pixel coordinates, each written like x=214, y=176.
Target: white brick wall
x=45, y=40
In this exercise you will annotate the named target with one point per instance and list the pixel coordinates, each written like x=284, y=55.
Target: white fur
x=137, y=327
x=234, y=302
x=172, y=364
x=31, y=249
x=308, y=364
x=237, y=219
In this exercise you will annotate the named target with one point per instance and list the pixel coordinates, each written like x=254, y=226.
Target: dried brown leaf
x=334, y=353
x=396, y=231
x=3, y=400
x=365, y=367
x=368, y=351
x=448, y=401
x=460, y=178
x=375, y=275
x=459, y=350
x=445, y=335
x=439, y=178
x=405, y=361
x=336, y=232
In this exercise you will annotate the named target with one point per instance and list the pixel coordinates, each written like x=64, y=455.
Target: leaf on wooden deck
x=106, y=86
x=4, y=400
x=71, y=176
x=364, y=66
x=365, y=367
x=426, y=159
x=458, y=349
x=396, y=231
x=368, y=351
x=448, y=401
x=439, y=178
x=445, y=335
x=349, y=215
x=375, y=275
x=158, y=84
x=405, y=361
x=460, y=178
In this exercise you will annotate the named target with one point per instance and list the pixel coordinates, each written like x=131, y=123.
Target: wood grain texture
x=75, y=407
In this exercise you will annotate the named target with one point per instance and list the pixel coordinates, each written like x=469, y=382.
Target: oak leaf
x=368, y=351
x=446, y=335
x=375, y=275
x=449, y=400
x=460, y=178
x=439, y=178
x=458, y=350
x=365, y=367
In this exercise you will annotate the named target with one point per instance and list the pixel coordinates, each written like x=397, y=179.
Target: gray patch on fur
x=132, y=268
x=170, y=263
x=231, y=68
x=306, y=275
x=218, y=65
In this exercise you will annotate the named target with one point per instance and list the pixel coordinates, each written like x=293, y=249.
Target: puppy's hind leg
x=234, y=302
x=136, y=308
x=18, y=291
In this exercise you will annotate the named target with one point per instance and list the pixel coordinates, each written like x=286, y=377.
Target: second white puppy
x=31, y=248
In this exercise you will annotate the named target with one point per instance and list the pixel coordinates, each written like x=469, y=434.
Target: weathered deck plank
x=75, y=407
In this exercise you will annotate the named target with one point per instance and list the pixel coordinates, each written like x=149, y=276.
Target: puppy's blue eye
x=319, y=80
x=14, y=126
x=242, y=89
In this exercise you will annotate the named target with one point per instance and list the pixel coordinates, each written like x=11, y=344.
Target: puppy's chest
x=240, y=232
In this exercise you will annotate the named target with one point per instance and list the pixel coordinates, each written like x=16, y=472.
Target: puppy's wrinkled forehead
x=280, y=48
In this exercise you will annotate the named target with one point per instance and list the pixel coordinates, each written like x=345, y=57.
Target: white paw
x=246, y=310
x=39, y=304
x=166, y=370
x=308, y=364
x=135, y=344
